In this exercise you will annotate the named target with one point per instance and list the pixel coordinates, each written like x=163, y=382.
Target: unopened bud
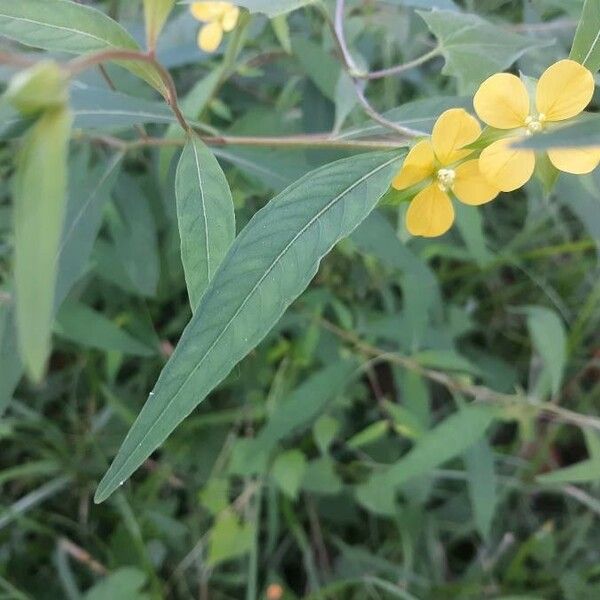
x=41, y=87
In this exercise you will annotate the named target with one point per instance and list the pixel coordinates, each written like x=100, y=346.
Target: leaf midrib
x=326, y=208
x=204, y=219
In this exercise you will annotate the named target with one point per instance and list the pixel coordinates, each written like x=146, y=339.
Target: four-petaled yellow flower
x=563, y=91
x=219, y=17
x=440, y=162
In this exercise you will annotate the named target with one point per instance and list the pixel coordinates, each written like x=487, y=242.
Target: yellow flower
x=502, y=101
x=219, y=17
x=440, y=162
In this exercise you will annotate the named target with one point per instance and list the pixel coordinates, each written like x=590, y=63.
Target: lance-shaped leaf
x=205, y=215
x=65, y=26
x=586, y=45
x=270, y=263
x=156, y=13
x=40, y=199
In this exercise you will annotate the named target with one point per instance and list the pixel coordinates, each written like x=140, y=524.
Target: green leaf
x=84, y=326
x=124, y=584
x=320, y=477
x=215, y=495
x=324, y=431
x=205, y=215
x=229, y=538
x=444, y=442
x=10, y=365
x=473, y=48
x=305, y=404
x=370, y=434
x=269, y=264
x=581, y=472
x=133, y=229
x=322, y=67
x=584, y=132
x=586, y=45
x=439, y=4
x=550, y=341
x=479, y=461
x=97, y=108
x=288, y=472
x=470, y=224
x=421, y=290
x=156, y=13
x=89, y=191
x=66, y=26
x=40, y=200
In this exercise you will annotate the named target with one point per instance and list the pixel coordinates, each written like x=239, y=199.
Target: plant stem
x=296, y=141
x=81, y=64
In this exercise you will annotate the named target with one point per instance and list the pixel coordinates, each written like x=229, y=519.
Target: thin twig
x=357, y=75
x=476, y=392
x=82, y=556
x=16, y=60
x=78, y=65
x=411, y=64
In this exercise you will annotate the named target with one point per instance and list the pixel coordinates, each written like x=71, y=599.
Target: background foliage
x=419, y=424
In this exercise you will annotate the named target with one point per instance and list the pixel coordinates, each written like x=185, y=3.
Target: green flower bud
x=39, y=88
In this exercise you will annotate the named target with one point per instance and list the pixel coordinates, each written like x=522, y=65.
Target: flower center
x=446, y=179
x=535, y=123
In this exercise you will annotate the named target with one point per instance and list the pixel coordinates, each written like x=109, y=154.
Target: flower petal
x=454, y=130
x=208, y=11
x=564, y=90
x=230, y=18
x=418, y=165
x=210, y=37
x=502, y=101
x=430, y=213
x=578, y=161
x=506, y=168
x=471, y=187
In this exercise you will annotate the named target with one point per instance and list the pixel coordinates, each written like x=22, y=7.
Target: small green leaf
x=82, y=325
x=324, y=431
x=479, y=461
x=473, y=48
x=10, y=365
x=229, y=538
x=320, y=477
x=586, y=45
x=550, y=341
x=305, y=403
x=288, y=471
x=40, y=200
x=269, y=264
x=581, y=472
x=214, y=496
x=124, y=584
x=444, y=442
x=205, y=215
x=371, y=433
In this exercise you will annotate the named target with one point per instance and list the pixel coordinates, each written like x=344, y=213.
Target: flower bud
x=41, y=87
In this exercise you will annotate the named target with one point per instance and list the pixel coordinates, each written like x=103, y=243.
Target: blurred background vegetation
x=270, y=489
